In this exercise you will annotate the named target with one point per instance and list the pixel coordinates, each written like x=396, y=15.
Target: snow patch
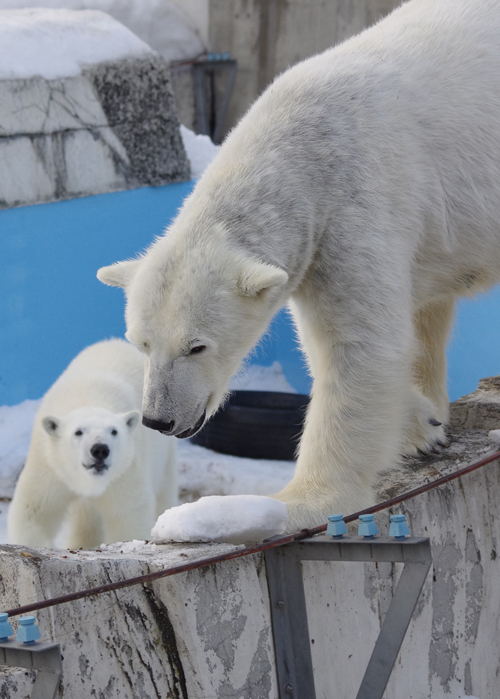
x=200, y=150
x=16, y=425
x=205, y=472
x=234, y=519
x=58, y=43
x=494, y=435
x=171, y=30
x=261, y=378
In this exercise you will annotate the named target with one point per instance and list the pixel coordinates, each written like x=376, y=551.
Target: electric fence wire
x=240, y=552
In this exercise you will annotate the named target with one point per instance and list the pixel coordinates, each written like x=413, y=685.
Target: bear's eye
x=145, y=345
x=198, y=349
x=78, y=433
x=114, y=432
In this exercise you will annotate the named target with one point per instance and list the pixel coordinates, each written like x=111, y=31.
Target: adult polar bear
x=363, y=187
x=90, y=458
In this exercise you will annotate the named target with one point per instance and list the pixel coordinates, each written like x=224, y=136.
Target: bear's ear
x=119, y=274
x=132, y=419
x=258, y=276
x=51, y=425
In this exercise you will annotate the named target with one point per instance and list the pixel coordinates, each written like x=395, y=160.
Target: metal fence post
x=289, y=614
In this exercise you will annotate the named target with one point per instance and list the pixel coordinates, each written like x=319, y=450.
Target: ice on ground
x=171, y=28
x=261, y=378
x=58, y=43
x=200, y=150
x=16, y=425
x=234, y=519
x=205, y=472
x=494, y=435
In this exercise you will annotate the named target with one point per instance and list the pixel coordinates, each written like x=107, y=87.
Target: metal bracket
x=210, y=120
x=289, y=613
x=41, y=656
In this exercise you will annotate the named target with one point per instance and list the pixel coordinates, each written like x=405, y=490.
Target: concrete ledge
x=206, y=634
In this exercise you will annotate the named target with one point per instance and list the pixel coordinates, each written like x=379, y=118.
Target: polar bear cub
x=91, y=462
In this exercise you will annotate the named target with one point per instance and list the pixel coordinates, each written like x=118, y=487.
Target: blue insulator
x=367, y=527
x=6, y=629
x=27, y=631
x=399, y=528
x=336, y=526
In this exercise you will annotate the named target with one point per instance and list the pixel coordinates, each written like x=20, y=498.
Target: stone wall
x=113, y=127
x=206, y=634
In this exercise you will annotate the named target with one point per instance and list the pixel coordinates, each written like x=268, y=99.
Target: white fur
x=369, y=176
x=96, y=401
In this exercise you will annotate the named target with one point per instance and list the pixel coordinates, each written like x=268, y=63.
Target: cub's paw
x=424, y=435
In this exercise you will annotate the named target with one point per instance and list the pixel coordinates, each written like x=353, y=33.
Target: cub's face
x=90, y=447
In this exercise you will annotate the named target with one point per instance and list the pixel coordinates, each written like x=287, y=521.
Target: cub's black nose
x=100, y=451
x=165, y=427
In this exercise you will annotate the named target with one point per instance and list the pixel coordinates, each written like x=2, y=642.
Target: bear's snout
x=100, y=452
x=164, y=427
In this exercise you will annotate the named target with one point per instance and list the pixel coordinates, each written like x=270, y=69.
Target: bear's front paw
x=425, y=435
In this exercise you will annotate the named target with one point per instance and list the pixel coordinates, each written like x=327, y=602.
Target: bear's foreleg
x=85, y=526
x=361, y=352
x=38, y=508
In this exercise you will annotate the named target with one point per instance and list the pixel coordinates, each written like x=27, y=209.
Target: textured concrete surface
x=207, y=634
x=113, y=127
x=268, y=37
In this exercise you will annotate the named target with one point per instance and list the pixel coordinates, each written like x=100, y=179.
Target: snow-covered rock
x=85, y=107
x=233, y=519
x=168, y=27
x=59, y=43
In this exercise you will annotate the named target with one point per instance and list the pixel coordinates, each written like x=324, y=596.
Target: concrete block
x=92, y=163
x=26, y=170
x=479, y=410
x=200, y=635
x=113, y=127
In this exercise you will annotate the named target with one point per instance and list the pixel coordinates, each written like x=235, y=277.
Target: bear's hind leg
x=429, y=398
x=433, y=327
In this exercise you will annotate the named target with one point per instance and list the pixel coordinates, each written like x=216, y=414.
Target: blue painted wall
x=51, y=304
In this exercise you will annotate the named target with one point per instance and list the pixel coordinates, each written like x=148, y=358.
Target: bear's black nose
x=165, y=427
x=100, y=451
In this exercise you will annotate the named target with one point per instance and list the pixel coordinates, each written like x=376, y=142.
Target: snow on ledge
x=235, y=519
x=58, y=43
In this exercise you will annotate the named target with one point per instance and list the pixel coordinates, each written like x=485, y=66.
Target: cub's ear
x=51, y=425
x=131, y=419
x=258, y=276
x=119, y=274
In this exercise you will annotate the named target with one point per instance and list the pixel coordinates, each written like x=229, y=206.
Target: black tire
x=257, y=425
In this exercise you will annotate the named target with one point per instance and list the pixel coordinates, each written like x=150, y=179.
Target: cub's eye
x=145, y=345
x=78, y=433
x=114, y=432
x=198, y=349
